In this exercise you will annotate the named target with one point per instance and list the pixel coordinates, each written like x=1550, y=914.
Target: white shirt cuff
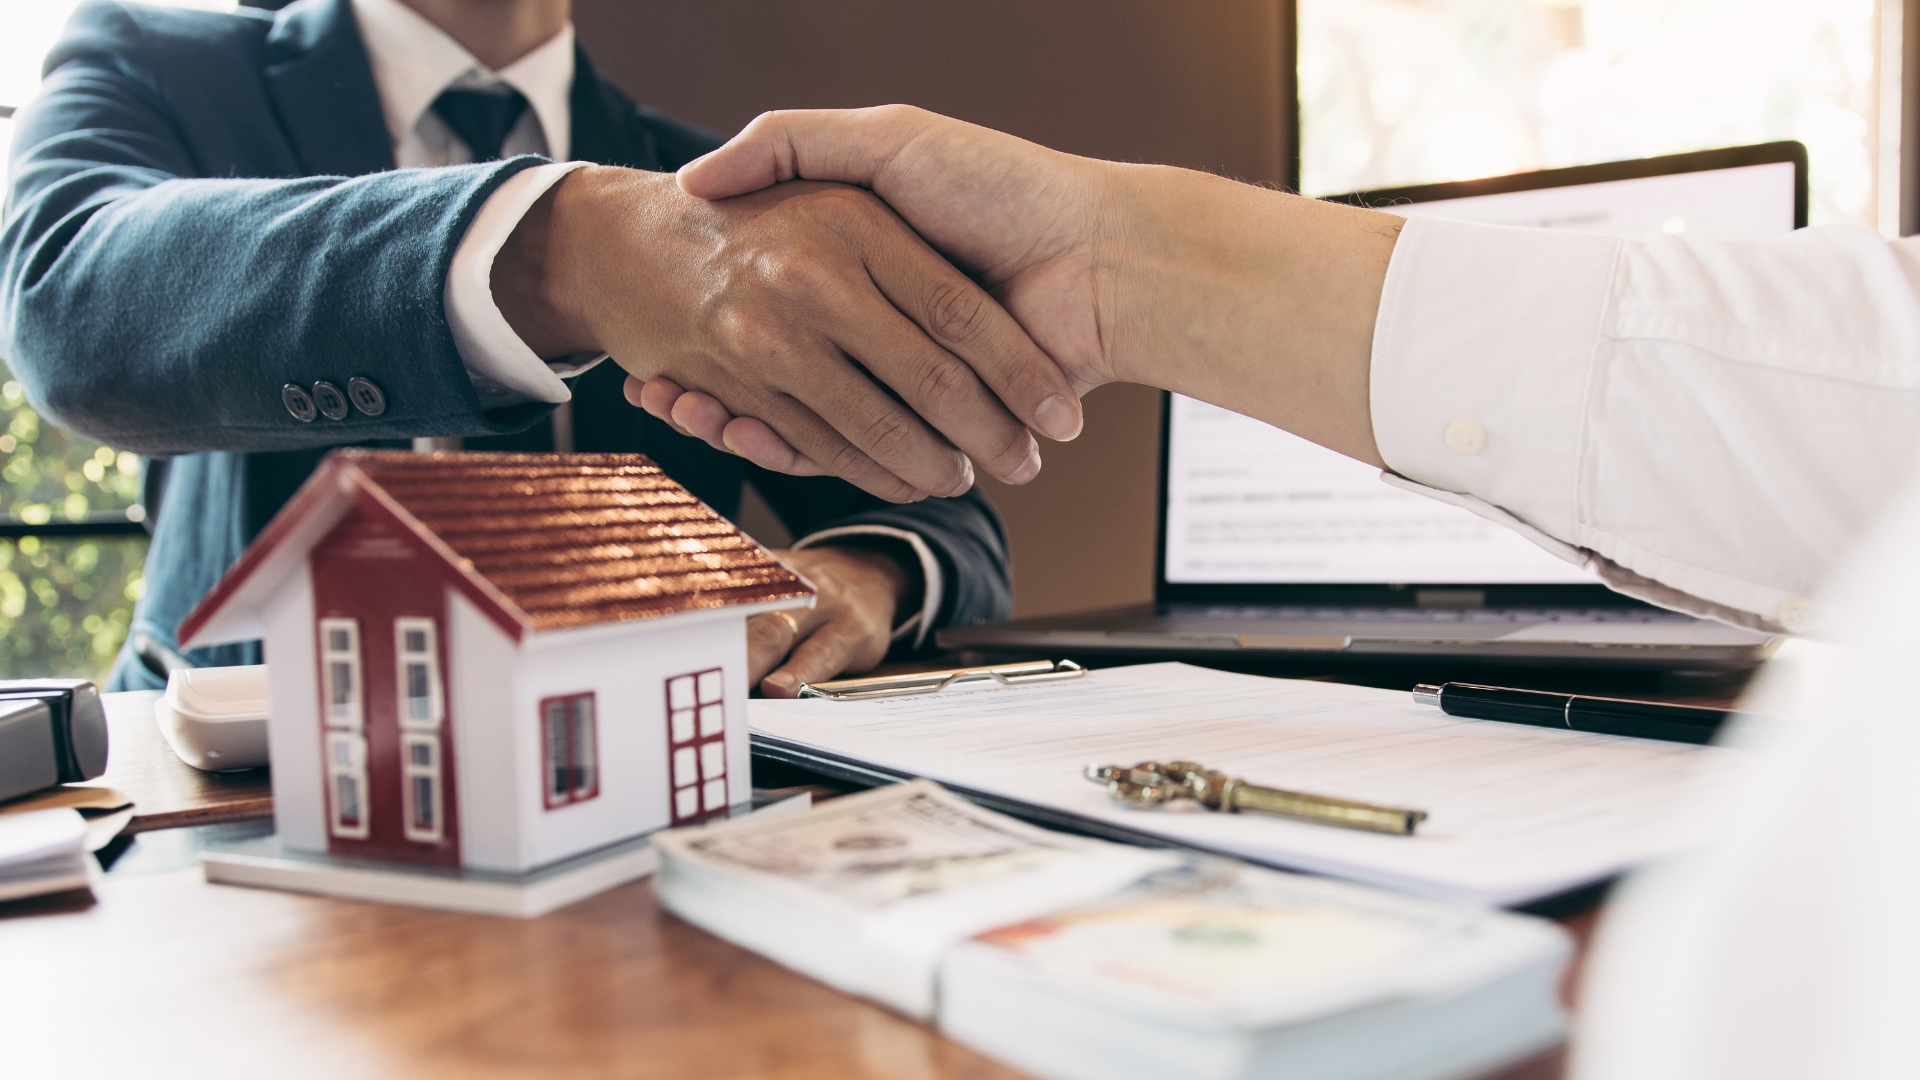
x=934, y=583
x=1481, y=358
x=1493, y=349
x=503, y=369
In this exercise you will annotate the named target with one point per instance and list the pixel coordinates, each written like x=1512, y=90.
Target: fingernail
x=1028, y=469
x=781, y=681
x=1057, y=419
x=966, y=480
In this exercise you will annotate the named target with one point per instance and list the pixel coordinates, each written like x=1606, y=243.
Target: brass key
x=1152, y=783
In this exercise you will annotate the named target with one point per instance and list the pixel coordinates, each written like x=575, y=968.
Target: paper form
x=1516, y=813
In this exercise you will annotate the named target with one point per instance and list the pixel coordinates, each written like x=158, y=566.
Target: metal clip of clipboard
x=932, y=682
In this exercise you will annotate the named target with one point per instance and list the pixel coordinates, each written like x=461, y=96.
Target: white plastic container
x=216, y=718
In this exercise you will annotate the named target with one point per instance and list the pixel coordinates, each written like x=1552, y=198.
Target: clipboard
x=932, y=682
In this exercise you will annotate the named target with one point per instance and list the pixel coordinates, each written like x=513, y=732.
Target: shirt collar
x=414, y=60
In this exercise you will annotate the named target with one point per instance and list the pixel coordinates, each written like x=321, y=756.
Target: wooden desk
x=168, y=793
x=167, y=971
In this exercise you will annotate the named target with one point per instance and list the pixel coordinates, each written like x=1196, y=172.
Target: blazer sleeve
x=966, y=535
x=161, y=311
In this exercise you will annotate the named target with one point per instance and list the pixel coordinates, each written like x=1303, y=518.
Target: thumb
x=846, y=145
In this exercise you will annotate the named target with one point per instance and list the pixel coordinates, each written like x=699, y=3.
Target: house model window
x=422, y=708
x=567, y=732
x=419, y=665
x=346, y=746
x=696, y=743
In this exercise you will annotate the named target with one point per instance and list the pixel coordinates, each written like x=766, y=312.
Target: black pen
x=1602, y=716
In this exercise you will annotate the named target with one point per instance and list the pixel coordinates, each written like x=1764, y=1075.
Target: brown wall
x=1202, y=83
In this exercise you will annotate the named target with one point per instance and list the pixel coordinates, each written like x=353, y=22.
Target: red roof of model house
x=537, y=541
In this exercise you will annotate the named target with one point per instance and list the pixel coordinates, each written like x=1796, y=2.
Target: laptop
x=1271, y=546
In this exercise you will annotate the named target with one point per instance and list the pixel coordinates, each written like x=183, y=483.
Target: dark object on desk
x=1574, y=712
x=52, y=731
x=1152, y=783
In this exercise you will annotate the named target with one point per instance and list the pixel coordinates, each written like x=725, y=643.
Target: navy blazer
x=205, y=208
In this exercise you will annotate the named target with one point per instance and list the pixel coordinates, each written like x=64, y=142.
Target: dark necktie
x=481, y=118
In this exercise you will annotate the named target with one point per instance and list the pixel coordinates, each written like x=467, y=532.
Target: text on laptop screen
x=1250, y=504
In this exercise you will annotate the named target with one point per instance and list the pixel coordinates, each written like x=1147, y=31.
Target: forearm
x=1244, y=297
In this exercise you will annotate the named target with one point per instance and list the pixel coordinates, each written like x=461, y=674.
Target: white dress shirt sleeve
x=1706, y=424
x=504, y=370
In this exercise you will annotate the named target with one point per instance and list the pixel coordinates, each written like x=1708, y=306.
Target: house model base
x=264, y=862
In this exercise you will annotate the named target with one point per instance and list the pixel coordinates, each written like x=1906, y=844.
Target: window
x=417, y=660
x=697, y=743
x=569, y=749
x=340, y=672
x=1397, y=92
x=420, y=786
x=347, y=784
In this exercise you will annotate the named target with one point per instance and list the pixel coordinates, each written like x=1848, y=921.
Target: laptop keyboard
x=1643, y=616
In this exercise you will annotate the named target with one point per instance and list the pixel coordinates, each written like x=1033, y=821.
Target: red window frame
x=690, y=731
x=575, y=792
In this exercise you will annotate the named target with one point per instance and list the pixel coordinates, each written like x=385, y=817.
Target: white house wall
x=293, y=714
x=627, y=674
x=488, y=783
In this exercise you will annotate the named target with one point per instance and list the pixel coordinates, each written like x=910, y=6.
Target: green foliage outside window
x=65, y=602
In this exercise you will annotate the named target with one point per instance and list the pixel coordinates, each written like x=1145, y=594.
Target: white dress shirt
x=413, y=61
x=1705, y=424
x=1727, y=428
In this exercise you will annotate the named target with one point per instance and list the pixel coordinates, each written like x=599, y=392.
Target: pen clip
x=932, y=682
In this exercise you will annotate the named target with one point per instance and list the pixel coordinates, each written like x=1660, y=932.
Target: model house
x=497, y=661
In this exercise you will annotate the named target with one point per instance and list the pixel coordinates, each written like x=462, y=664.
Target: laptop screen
x=1247, y=504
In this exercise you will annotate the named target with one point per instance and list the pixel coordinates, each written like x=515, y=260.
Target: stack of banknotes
x=1076, y=959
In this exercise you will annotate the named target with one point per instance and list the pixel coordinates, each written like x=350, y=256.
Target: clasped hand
x=812, y=308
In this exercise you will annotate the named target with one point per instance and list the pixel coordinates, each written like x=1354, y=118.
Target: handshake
x=892, y=296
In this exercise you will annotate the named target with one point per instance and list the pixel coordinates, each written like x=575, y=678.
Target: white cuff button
x=1466, y=437
x=1795, y=615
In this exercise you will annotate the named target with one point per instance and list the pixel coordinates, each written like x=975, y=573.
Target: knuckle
x=849, y=463
x=958, y=312
x=943, y=388
x=888, y=437
x=746, y=332
x=849, y=460
x=790, y=271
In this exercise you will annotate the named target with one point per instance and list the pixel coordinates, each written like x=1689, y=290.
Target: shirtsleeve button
x=366, y=396
x=1795, y=614
x=1466, y=437
x=331, y=402
x=298, y=403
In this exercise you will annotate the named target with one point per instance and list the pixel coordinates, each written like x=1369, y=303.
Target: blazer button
x=298, y=403
x=332, y=403
x=366, y=396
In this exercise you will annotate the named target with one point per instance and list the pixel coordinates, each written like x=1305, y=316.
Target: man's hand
x=1254, y=300
x=787, y=305
x=849, y=627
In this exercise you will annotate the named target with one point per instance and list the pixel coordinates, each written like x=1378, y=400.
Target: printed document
x=1516, y=813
